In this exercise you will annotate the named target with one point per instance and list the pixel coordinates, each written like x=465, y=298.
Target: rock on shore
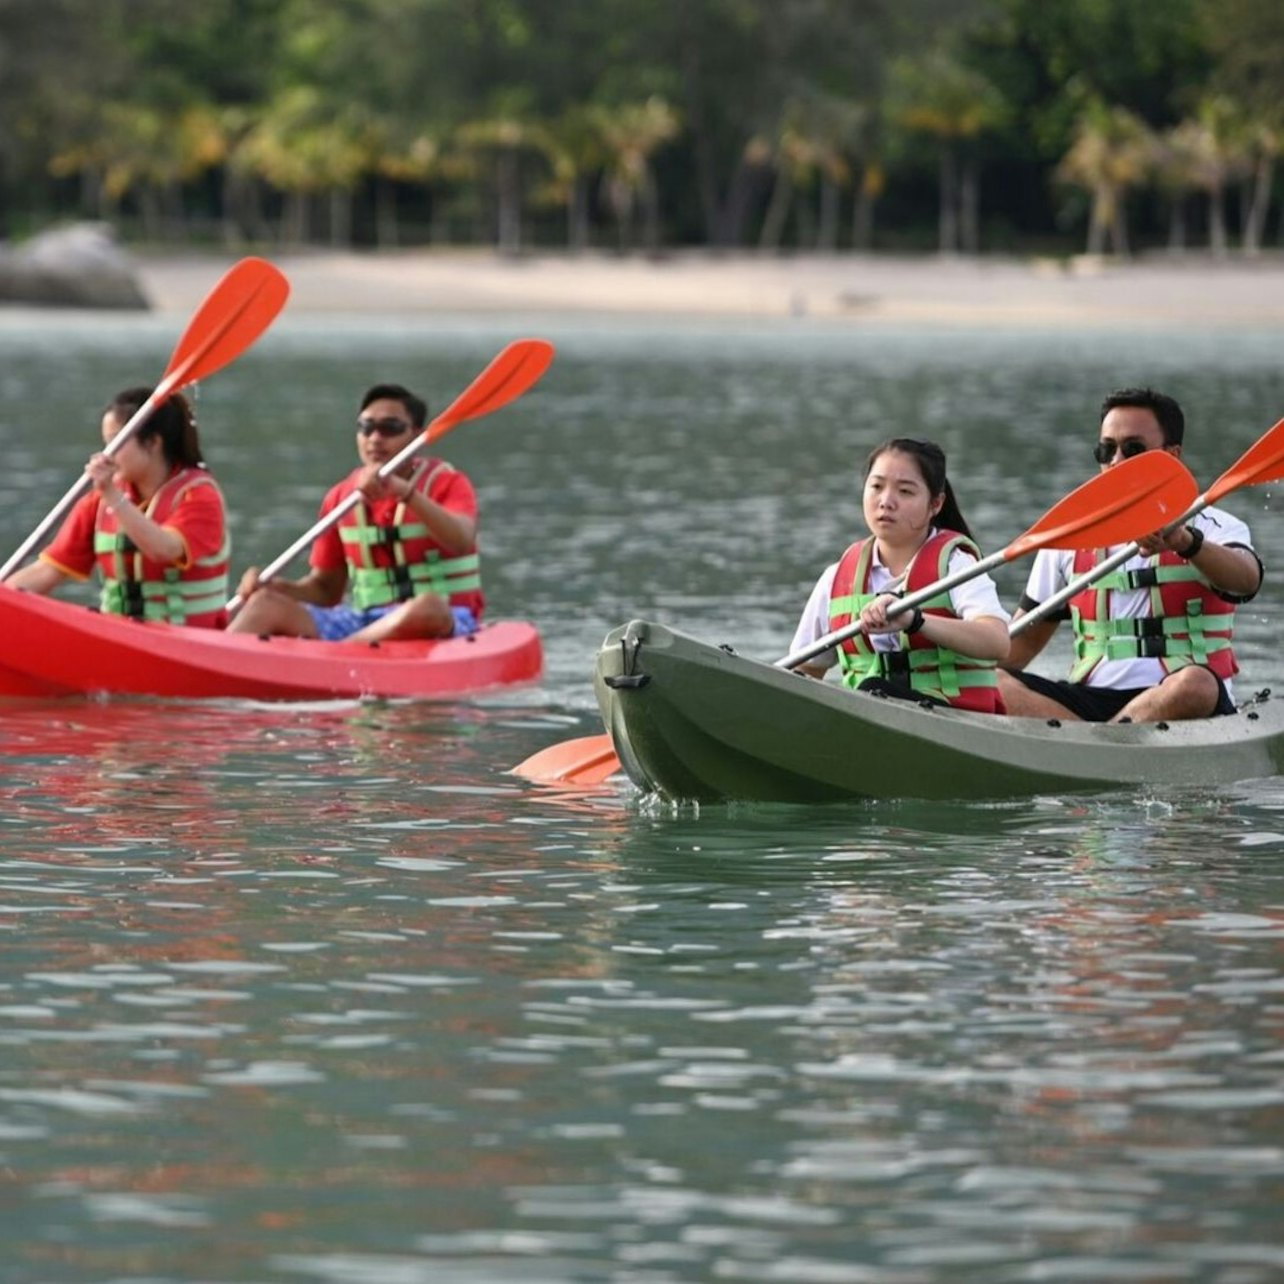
x=78, y=266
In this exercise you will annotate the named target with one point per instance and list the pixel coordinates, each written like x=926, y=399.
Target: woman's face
x=134, y=456
x=898, y=505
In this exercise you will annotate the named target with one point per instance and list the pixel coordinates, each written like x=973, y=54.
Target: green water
x=320, y=993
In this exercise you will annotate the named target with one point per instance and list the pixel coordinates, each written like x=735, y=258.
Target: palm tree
x=303, y=148
x=401, y=153
x=631, y=134
x=1216, y=141
x=940, y=97
x=577, y=151
x=1265, y=139
x=507, y=135
x=1173, y=164
x=1112, y=152
x=794, y=158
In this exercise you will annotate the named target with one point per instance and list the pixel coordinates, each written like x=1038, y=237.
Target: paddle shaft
x=347, y=505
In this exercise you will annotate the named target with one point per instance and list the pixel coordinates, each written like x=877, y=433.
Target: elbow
x=996, y=642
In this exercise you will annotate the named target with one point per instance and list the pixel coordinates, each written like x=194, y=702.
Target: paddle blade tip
x=587, y=760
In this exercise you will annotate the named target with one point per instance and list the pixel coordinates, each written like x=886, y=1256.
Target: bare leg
x=1021, y=702
x=426, y=616
x=1191, y=692
x=268, y=612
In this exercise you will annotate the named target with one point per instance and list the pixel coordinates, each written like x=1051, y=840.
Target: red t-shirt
x=197, y=519
x=449, y=488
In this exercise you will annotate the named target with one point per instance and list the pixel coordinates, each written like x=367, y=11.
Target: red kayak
x=51, y=648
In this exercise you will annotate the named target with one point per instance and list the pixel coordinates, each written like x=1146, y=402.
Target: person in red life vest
x=1152, y=639
x=153, y=523
x=945, y=652
x=408, y=550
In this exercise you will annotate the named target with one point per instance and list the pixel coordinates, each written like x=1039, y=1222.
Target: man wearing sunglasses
x=1152, y=639
x=408, y=551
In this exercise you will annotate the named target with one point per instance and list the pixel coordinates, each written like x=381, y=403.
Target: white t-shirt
x=975, y=599
x=1053, y=569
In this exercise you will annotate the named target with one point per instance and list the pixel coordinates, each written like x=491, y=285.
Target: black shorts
x=1100, y=704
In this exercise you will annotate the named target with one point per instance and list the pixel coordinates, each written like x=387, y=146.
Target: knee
x=1196, y=687
x=429, y=616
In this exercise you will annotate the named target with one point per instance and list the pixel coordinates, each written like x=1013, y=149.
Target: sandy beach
x=860, y=289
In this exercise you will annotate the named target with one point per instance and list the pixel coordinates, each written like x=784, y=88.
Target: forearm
x=455, y=532
x=983, y=638
x=38, y=577
x=1029, y=643
x=158, y=543
x=1232, y=570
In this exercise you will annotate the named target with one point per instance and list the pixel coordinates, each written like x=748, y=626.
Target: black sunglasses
x=384, y=427
x=1104, y=451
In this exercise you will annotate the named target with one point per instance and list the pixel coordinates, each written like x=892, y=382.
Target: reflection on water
x=320, y=993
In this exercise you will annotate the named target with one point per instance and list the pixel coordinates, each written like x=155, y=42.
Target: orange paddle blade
x=1261, y=462
x=1127, y=501
x=512, y=372
x=587, y=760
x=234, y=314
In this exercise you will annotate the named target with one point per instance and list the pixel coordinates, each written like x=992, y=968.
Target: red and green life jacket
x=145, y=589
x=960, y=680
x=1187, y=621
x=390, y=564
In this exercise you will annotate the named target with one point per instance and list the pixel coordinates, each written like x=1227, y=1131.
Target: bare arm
x=1231, y=570
x=453, y=531
x=39, y=577
x=1028, y=644
x=319, y=588
x=984, y=637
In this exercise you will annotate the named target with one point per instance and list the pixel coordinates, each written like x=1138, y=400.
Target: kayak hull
x=51, y=648
x=691, y=721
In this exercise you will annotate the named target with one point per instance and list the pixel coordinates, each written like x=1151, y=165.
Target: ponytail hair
x=930, y=459
x=172, y=421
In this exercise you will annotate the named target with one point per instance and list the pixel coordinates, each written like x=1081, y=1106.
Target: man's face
x=383, y=430
x=1128, y=431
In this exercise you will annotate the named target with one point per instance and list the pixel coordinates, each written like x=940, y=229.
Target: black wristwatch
x=1196, y=543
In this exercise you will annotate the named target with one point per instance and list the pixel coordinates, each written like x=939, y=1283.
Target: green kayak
x=691, y=721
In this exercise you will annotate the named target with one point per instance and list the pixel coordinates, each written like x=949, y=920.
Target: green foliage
x=696, y=108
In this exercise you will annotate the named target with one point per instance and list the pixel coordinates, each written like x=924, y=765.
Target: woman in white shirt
x=944, y=652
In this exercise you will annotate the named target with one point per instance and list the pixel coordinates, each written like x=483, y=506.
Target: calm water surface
x=321, y=994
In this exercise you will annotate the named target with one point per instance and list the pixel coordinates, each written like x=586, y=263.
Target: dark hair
x=172, y=421
x=930, y=459
x=1171, y=420
x=416, y=407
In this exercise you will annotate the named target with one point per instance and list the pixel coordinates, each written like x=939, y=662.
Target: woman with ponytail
x=153, y=523
x=944, y=652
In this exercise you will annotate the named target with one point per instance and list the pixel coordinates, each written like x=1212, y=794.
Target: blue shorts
x=334, y=623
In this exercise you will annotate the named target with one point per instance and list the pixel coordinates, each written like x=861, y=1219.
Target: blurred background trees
x=1035, y=126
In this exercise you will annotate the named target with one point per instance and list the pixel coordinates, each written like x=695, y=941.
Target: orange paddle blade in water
x=587, y=760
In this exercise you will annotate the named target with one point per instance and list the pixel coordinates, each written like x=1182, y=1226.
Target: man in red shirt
x=408, y=550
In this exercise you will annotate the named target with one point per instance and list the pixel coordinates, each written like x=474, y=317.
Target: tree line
x=964, y=125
